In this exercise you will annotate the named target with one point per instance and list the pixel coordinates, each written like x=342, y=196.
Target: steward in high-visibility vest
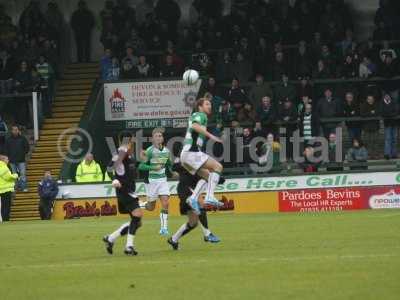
x=88, y=170
x=7, y=180
x=7, y=184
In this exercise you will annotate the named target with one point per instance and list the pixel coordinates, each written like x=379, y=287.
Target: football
x=191, y=77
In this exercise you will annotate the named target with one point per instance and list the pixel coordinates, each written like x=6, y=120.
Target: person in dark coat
x=169, y=12
x=48, y=190
x=16, y=148
x=328, y=107
x=351, y=109
x=236, y=94
x=288, y=117
x=82, y=23
x=266, y=113
x=370, y=109
x=389, y=109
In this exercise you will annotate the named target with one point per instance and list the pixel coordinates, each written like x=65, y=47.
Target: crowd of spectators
x=29, y=56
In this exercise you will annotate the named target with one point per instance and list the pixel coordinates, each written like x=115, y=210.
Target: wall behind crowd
x=15, y=8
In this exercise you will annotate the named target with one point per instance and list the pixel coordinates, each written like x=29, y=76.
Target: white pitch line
x=202, y=261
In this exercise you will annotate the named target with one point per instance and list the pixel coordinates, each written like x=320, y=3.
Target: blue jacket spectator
x=48, y=190
x=105, y=64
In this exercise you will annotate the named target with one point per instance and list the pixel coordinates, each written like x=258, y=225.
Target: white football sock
x=206, y=231
x=164, y=219
x=117, y=233
x=198, y=190
x=129, y=240
x=213, y=180
x=179, y=233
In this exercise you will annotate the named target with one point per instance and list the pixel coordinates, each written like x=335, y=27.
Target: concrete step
x=68, y=98
x=69, y=108
x=75, y=114
x=70, y=103
x=62, y=120
x=19, y=219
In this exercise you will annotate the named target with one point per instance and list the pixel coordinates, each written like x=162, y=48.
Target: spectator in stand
x=105, y=64
x=236, y=94
x=367, y=68
x=328, y=107
x=16, y=148
x=88, y=170
x=284, y=91
x=131, y=56
x=386, y=51
x=128, y=70
x=7, y=185
x=328, y=58
x=123, y=12
x=7, y=70
x=135, y=41
x=279, y=66
x=82, y=23
x=55, y=22
x=23, y=79
x=389, y=110
x=321, y=71
x=259, y=90
x=310, y=164
x=48, y=190
x=109, y=37
x=227, y=114
x=169, y=12
x=3, y=134
x=389, y=70
x=270, y=154
x=288, y=117
x=169, y=69
x=145, y=70
x=349, y=67
x=224, y=68
x=46, y=74
x=114, y=71
x=266, y=113
x=302, y=105
x=31, y=20
x=335, y=163
x=370, y=109
x=247, y=138
x=302, y=64
x=211, y=86
x=247, y=115
x=216, y=102
x=309, y=126
x=143, y=9
x=351, y=109
x=357, y=155
x=242, y=68
x=305, y=88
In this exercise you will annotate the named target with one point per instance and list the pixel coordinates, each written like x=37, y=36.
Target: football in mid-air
x=191, y=77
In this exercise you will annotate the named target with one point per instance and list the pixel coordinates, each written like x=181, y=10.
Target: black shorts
x=127, y=203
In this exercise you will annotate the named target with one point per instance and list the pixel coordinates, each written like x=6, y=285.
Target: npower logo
x=387, y=200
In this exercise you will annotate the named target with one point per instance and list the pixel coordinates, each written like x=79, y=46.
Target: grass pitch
x=349, y=255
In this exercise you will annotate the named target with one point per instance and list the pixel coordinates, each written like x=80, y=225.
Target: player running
x=197, y=162
x=128, y=201
x=156, y=162
x=187, y=182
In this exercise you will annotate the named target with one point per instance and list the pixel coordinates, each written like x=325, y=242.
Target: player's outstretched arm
x=203, y=130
